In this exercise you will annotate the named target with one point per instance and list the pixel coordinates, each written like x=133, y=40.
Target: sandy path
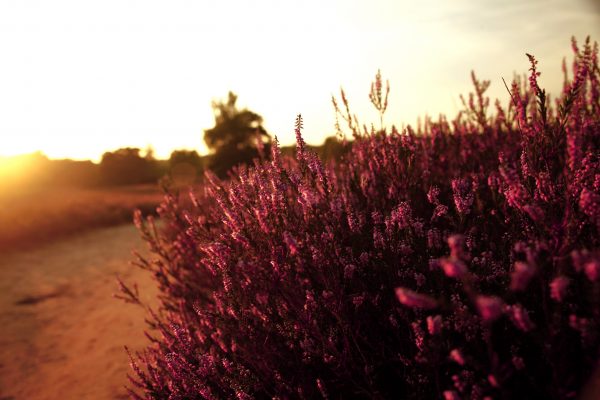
x=61, y=331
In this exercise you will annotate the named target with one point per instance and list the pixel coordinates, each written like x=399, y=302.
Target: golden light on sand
x=13, y=165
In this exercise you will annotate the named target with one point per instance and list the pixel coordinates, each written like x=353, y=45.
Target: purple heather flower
x=440, y=211
x=518, y=362
x=414, y=300
x=358, y=300
x=434, y=324
x=349, y=271
x=580, y=324
x=592, y=269
x=451, y=395
x=291, y=243
x=463, y=195
x=520, y=277
x=432, y=195
x=456, y=243
x=534, y=212
x=453, y=267
x=493, y=380
x=457, y=356
x=489, y=307
x=520, y=317
x=579, y=258
x=420, y=279
x=558, y=288
x=434, y=239
x=322, y=388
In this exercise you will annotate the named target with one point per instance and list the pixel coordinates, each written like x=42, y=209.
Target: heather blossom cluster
x=460, y=260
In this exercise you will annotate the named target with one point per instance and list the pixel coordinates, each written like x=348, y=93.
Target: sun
x=18, y=165
x=13, y=147
x=52, y=146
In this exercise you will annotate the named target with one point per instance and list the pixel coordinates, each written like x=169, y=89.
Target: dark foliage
x=234, y=137
x=126, y=166
x=36, y=171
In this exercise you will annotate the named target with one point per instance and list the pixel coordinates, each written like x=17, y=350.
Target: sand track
x=61, y=331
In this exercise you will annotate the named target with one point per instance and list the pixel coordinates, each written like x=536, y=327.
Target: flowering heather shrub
x=457, y=261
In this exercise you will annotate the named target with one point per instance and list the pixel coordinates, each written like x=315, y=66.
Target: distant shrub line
x=457, y=261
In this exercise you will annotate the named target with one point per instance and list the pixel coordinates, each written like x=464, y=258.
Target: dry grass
x=30, y=218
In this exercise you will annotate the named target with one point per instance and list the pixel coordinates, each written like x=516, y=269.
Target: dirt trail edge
x=61, y=331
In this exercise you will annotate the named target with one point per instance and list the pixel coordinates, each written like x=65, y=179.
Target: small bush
x=461, y=260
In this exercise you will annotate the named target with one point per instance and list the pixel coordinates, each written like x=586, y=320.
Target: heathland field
x=32, y=217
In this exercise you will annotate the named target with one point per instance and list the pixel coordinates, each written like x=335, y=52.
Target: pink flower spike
x=493, y=380
x=592, y=270
x=521, y=276
x=558, y=288
x=432, y=195
x=414, y=300
x=520, y=317
x=457, y=356
x=453, y=267
x=463, y=195
x=434, y=324
x=456, y=244
x=451, y=395
x=291, y=243
x=489, y=307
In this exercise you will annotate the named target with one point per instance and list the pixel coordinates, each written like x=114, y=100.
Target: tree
x=332, y=149
x=126, y=166
x=234, y=138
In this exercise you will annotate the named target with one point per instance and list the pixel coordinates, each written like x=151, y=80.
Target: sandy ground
x=61, y=331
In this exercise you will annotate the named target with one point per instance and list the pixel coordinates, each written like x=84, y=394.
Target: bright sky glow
x=78, y=78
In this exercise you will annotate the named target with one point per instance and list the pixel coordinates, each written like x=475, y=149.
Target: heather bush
x=460, y=260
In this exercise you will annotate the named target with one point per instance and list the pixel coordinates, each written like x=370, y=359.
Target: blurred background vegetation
x=42, y=199
x=233, y=140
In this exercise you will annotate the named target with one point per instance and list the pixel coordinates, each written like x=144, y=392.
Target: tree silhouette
x=126, y=166
x=332, y=149
x=234, y=138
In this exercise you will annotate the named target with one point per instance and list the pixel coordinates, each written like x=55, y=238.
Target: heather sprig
x=378, y=99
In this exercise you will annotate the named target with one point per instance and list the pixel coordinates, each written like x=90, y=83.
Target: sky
x=78, y=78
